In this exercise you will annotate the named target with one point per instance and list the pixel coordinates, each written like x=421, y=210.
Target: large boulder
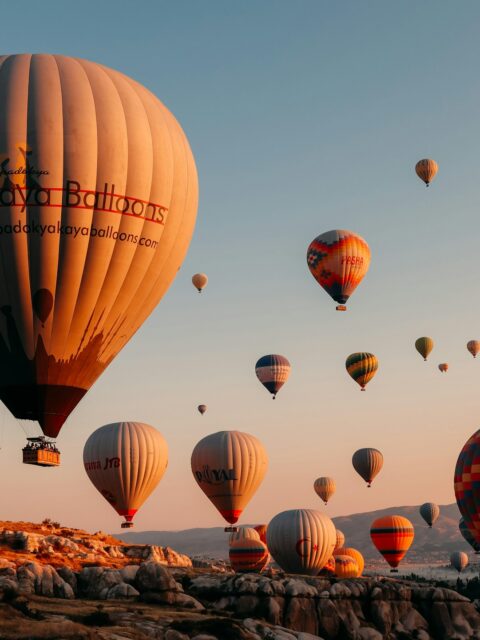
x=153, y=576
x=96, y=582
x=42, y=580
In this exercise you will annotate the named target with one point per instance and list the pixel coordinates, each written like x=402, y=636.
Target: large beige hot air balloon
x=301, y=540
x=125, y=461
x=324, y=488
x=229, y=466
x=98, y=198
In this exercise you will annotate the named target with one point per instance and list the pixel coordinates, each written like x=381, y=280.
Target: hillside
x=429, y=544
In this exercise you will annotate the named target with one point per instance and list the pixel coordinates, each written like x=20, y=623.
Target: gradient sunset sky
x=303, y=117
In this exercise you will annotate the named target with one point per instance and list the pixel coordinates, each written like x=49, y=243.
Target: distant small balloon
x=426, y=170
x=200, y=281
x=430, y=512
x=361, y=367
x=202, y=408
x=367, y=463
x=459, y=560
x=324, y=488
x=424, y=346
x=474, y=347
x=443, y=366
x=273, y=371
x=339, y=539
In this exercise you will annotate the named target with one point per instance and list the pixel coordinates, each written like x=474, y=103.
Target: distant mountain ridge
x=429, y=544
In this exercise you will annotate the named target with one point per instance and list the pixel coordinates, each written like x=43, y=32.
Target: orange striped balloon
x=345, y=567
x=392, y=536
x=247, y=556
x=426, y=170
x=353, y=553
x=361, y=367
x=329, y=568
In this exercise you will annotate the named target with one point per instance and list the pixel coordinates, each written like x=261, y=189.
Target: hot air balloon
x=367, y=463
x=474, y=347
x=362, y=367
x=125, y=461
x=339, y=539
x=426, y=170
x=466, y=484
x=429, y=512
x=459, y=560
x=99, y=196
x=346, y=567
x=355, y=554
x=392, y=536
x=243, y=533
x=424, y=346
x=443, y=366
x=468, y=536
x=229, y=466
x=248, y=556
x=324, y=488
x=338, y=260
x=301, y=540
x=329, y=567
x=273, y=372
x=202, y=408
x=200, y=281
x=261, y=529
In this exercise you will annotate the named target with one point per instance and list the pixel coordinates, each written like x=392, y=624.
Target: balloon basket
x=341, y=307
x=126, y=525
x=231, y=529
x=393, y=570
x=41, y=453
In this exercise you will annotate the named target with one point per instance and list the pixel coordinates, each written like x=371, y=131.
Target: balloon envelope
x=125, y=461
x=273, y=371
x=361, y=367
x=424, y=346
x=261, y=529
x=392, y=536
x=248, y=556
x=200, y=281
x=339, y=539
x=459, y=560
x=426, y=170
x=468, y=535
x=243, y=533
x=229, y=466
x=202, y=408
x=443, y=367
x=355, y=554
x=99, y=196
x=474, y=347
x=338, y=260
x=346, y=567
x=467, y=485
x=429, y=512
x=367, y=463
x=301, y=540
x=324, y=488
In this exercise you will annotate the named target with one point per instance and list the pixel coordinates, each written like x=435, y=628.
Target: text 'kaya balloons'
x=98, y=199
x=361, y=367
x=429, y=512
x=426, y=170
x=367, y=463
x=229, y=466
x=338, y=260
x=273, y=371
x=301, y=540
x=125, y=461
x=467, y=484
x=424, y=346
x=392, y=536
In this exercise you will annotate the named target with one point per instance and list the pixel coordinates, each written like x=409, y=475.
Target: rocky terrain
x=112, y=591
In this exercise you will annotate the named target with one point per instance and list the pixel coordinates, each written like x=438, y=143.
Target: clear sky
x=303, y=117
